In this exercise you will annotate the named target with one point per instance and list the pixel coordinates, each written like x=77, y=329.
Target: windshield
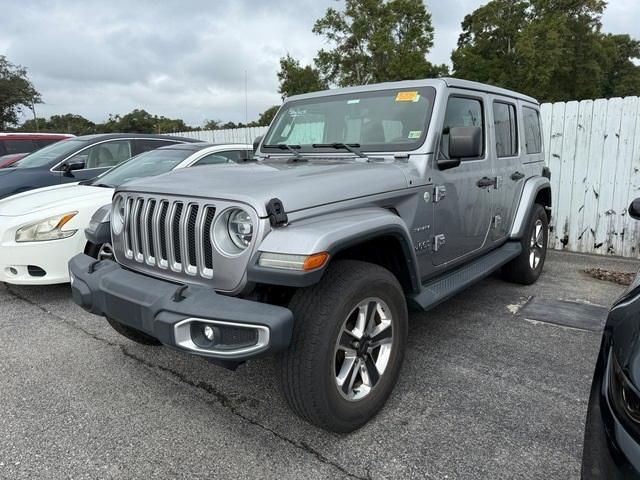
x=146, y=164
x=46, y=155
x=377, y=121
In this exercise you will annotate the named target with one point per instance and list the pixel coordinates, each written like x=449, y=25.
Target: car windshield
x=376, y=121
x=46, y=155
x=146, y=164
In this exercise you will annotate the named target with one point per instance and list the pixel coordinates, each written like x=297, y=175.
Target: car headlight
x=48, y=229
x=624, y=397
x=117, y=215
x=232, y=231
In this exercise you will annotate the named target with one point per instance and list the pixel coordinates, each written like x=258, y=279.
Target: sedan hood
x=68, y=196
x=298, y=185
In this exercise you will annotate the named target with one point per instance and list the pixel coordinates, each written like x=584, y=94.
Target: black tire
x=93, y=249
x=133, y=334
x=520, y=269
x=308, y=369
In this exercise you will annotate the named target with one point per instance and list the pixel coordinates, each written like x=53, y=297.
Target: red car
x=14, y=146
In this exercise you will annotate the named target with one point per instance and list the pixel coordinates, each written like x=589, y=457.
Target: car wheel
x=348, y=344
x=527, y=267
x=133, y=334
x=101, y=251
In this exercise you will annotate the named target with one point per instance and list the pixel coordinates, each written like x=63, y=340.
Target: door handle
x=486, y=182
x=515, y=176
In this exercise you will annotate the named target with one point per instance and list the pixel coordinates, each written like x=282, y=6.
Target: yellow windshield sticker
x=407, y=97
x=415, y=134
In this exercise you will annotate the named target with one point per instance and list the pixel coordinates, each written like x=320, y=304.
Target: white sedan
x=40, y=230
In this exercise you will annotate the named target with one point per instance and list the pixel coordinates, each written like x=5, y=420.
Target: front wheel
x=347, y=348
x=527, y=267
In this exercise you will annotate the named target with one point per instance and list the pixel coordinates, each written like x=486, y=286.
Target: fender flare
x=531, y=189
x=330, y=233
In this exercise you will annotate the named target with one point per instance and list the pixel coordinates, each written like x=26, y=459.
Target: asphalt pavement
x=484, y=393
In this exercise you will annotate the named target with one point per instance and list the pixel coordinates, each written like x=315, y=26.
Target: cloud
x=188, y=59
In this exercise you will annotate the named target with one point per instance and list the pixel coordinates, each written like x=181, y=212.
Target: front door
x=461, y=199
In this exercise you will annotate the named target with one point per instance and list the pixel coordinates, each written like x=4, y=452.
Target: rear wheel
x=347, y=348
x=527, y=267
x=133, y=334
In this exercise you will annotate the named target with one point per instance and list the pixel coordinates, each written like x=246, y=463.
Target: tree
x=295, y=79
x=211, y=125
x=550, y=49
x=376, y=41
x=16, y=92
x=170, y=125
x=266, y=117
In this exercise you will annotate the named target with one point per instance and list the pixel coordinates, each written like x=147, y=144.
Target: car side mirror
x=256, y=143
x=464, y=142
x=634, y=209
x=72, y=165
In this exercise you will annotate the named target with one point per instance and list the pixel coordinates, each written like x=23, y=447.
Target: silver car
x=360, y=202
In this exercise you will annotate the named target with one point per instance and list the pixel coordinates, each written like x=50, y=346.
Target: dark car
x=76, y=159
x=612, y=433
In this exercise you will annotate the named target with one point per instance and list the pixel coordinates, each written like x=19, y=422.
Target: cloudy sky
x=187, y=59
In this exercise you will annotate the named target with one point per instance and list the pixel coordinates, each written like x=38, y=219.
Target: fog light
x=208, y=333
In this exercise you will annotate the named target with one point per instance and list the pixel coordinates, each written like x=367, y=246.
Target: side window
x=461, y=112
x=19, y=146
x=504, y=119
x=105, y=155
x=532, y=135
x=44, y=143
x=223, y=157
x=2, y=149
x=144, y=145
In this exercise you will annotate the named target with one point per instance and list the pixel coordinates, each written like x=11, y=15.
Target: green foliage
x=550, y=49
x=68, y=123
x=16, y=92
x=266, y=117
x=376, y=41
x=295, y=79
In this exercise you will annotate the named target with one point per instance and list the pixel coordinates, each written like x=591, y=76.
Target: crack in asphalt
x=223, y=399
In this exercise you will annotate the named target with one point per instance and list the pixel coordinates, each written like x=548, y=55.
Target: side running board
x=438, y=290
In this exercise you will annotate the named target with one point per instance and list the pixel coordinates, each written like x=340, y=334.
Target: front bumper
x=174, y=313
x=39, y=263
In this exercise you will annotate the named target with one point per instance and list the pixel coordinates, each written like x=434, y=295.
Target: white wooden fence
x=231, y=135
x=593, y=149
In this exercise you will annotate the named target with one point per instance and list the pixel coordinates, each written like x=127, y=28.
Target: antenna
x=246, y=110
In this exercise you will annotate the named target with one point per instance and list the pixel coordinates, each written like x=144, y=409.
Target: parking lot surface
x=484, y=393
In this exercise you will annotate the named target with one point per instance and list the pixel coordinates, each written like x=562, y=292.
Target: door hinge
x=438, y=242
x=497, y=220
x=439, y=193
x=498, y=183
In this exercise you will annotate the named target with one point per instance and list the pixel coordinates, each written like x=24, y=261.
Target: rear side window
x=532, y=136
x=461, y=112
x=504, y=119
x=149, y=144
x=19, y=146
x=44, y=143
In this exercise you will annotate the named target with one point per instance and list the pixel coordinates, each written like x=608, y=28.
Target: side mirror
x=634, y=209
x=72, y=165
x=464, y=142
x=256, y=143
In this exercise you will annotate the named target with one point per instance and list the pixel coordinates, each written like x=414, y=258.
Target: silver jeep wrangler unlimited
x=359, y=203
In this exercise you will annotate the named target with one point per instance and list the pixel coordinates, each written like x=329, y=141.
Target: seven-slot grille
x=170, y=234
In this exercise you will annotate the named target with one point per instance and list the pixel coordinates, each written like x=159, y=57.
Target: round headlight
x=117, y=215
x=232, y=231
x=240, y=228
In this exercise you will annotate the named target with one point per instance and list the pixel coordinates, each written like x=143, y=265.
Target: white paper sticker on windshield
x=415, y=134
x=352, y=101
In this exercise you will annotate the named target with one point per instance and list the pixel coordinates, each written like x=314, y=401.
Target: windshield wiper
x=103, y=185
x=292, y=148
x=352, y=147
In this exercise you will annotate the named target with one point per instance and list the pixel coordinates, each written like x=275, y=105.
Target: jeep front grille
x=172, y=235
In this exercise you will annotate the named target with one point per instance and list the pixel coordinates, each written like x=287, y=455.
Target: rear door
x=507, y=162
x=462, y=208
